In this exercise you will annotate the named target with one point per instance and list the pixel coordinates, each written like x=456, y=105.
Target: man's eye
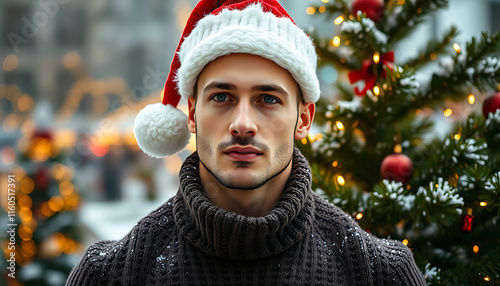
x=220, y=97
x=270, y=99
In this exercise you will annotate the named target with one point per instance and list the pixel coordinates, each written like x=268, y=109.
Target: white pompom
x=161, y=130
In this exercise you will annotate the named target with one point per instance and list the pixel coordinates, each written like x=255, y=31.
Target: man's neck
x=248, y=202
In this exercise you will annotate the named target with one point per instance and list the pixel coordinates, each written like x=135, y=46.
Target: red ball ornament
x=374, y=9
x=467, y=222
x=45, y=134
x=491, y=104
x=42, y=179
x=397, y=167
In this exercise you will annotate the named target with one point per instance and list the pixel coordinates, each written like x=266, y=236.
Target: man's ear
x=306, y=116
x=191, y=114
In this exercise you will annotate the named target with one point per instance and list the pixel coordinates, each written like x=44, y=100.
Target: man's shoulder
x=105, y=260
x=329, y=217
x=336, y=227
x=360, y=250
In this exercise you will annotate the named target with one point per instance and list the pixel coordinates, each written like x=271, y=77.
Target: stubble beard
x=256, y=180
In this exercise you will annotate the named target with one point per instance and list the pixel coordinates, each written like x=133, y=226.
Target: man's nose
x=243, y=123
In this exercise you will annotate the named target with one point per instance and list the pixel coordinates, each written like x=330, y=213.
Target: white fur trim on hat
x=161, y=130
x=251, y=31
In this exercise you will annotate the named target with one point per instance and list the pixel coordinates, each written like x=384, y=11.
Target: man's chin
x=240, y=186
x=240, y=180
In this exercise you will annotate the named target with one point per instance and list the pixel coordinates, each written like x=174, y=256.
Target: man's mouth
x=243, y=153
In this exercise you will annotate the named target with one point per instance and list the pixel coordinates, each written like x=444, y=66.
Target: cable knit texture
x=304, y=240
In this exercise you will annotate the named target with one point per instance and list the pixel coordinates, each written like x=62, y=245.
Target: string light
x=457, y=136
x=42, y=149
x=487, y=279
x=340, y=180
x=325, y=1
x=71, y=201
x=71, y=60
x=448, y=112
x=376, y=90
x=359, y=216
x=65, y=138
x=483, y=204
x=405, y=242
x=25, y=202
x=8, y=155
x=401, y=2
x=66, y=188
x=339, y=125
x=311, y=137
x=27, y=185
x=303, y=141
x=398, y=148
x=336, y=41
x=45, y=210
x=339, y=20
x=335, y=164
x=376, y=58
x=56, y=203
x=99, y=150
x=456, y=47
x=475, y=249
x=29, y=248
x=322, y=9
x=25, y=215
x=310, y=10
x=471, y=99
x=25, y=233
x=433, y=56
x=24, y=103
x=10, y=63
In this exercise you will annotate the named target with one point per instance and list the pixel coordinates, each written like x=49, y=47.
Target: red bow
x=367, y=74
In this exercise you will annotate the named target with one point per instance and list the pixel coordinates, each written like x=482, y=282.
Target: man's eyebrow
x=270, y=87
x=219, y=85
x=257, y=87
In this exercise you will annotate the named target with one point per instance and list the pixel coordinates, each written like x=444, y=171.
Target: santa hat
x=257, y=27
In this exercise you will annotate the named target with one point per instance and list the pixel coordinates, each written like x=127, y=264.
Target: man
x=245, y=213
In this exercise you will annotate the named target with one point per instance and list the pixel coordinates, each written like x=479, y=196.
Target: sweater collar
x=229, y=235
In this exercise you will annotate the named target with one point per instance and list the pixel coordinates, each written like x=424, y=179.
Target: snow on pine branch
x=365, y=25
x=493, y=119
x=441, y=193
x=470, y=149
x=394, y=192
x=488, y=66
x=493, y=184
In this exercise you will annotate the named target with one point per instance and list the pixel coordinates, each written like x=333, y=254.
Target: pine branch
x=362, y=35
x=475, y=273
x=491, y=193
x=472, y=67
x=454, y=80
x=446, y=158
x=434, y=48
x=405, y=18
x=334, y=8
x=328, y=53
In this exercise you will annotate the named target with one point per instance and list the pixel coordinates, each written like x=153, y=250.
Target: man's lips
x=242, y=153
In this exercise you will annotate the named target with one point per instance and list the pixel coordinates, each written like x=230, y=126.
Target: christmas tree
x=377, y=154
x=42, y=218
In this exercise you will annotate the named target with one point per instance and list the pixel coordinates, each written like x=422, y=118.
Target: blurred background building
x=81, y=70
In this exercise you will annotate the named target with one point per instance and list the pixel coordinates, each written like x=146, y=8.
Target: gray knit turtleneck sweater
x=304, y=240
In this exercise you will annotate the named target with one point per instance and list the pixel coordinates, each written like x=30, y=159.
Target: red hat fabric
x=258, y=27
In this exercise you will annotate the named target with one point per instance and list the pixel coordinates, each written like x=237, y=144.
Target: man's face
x=245, y=115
